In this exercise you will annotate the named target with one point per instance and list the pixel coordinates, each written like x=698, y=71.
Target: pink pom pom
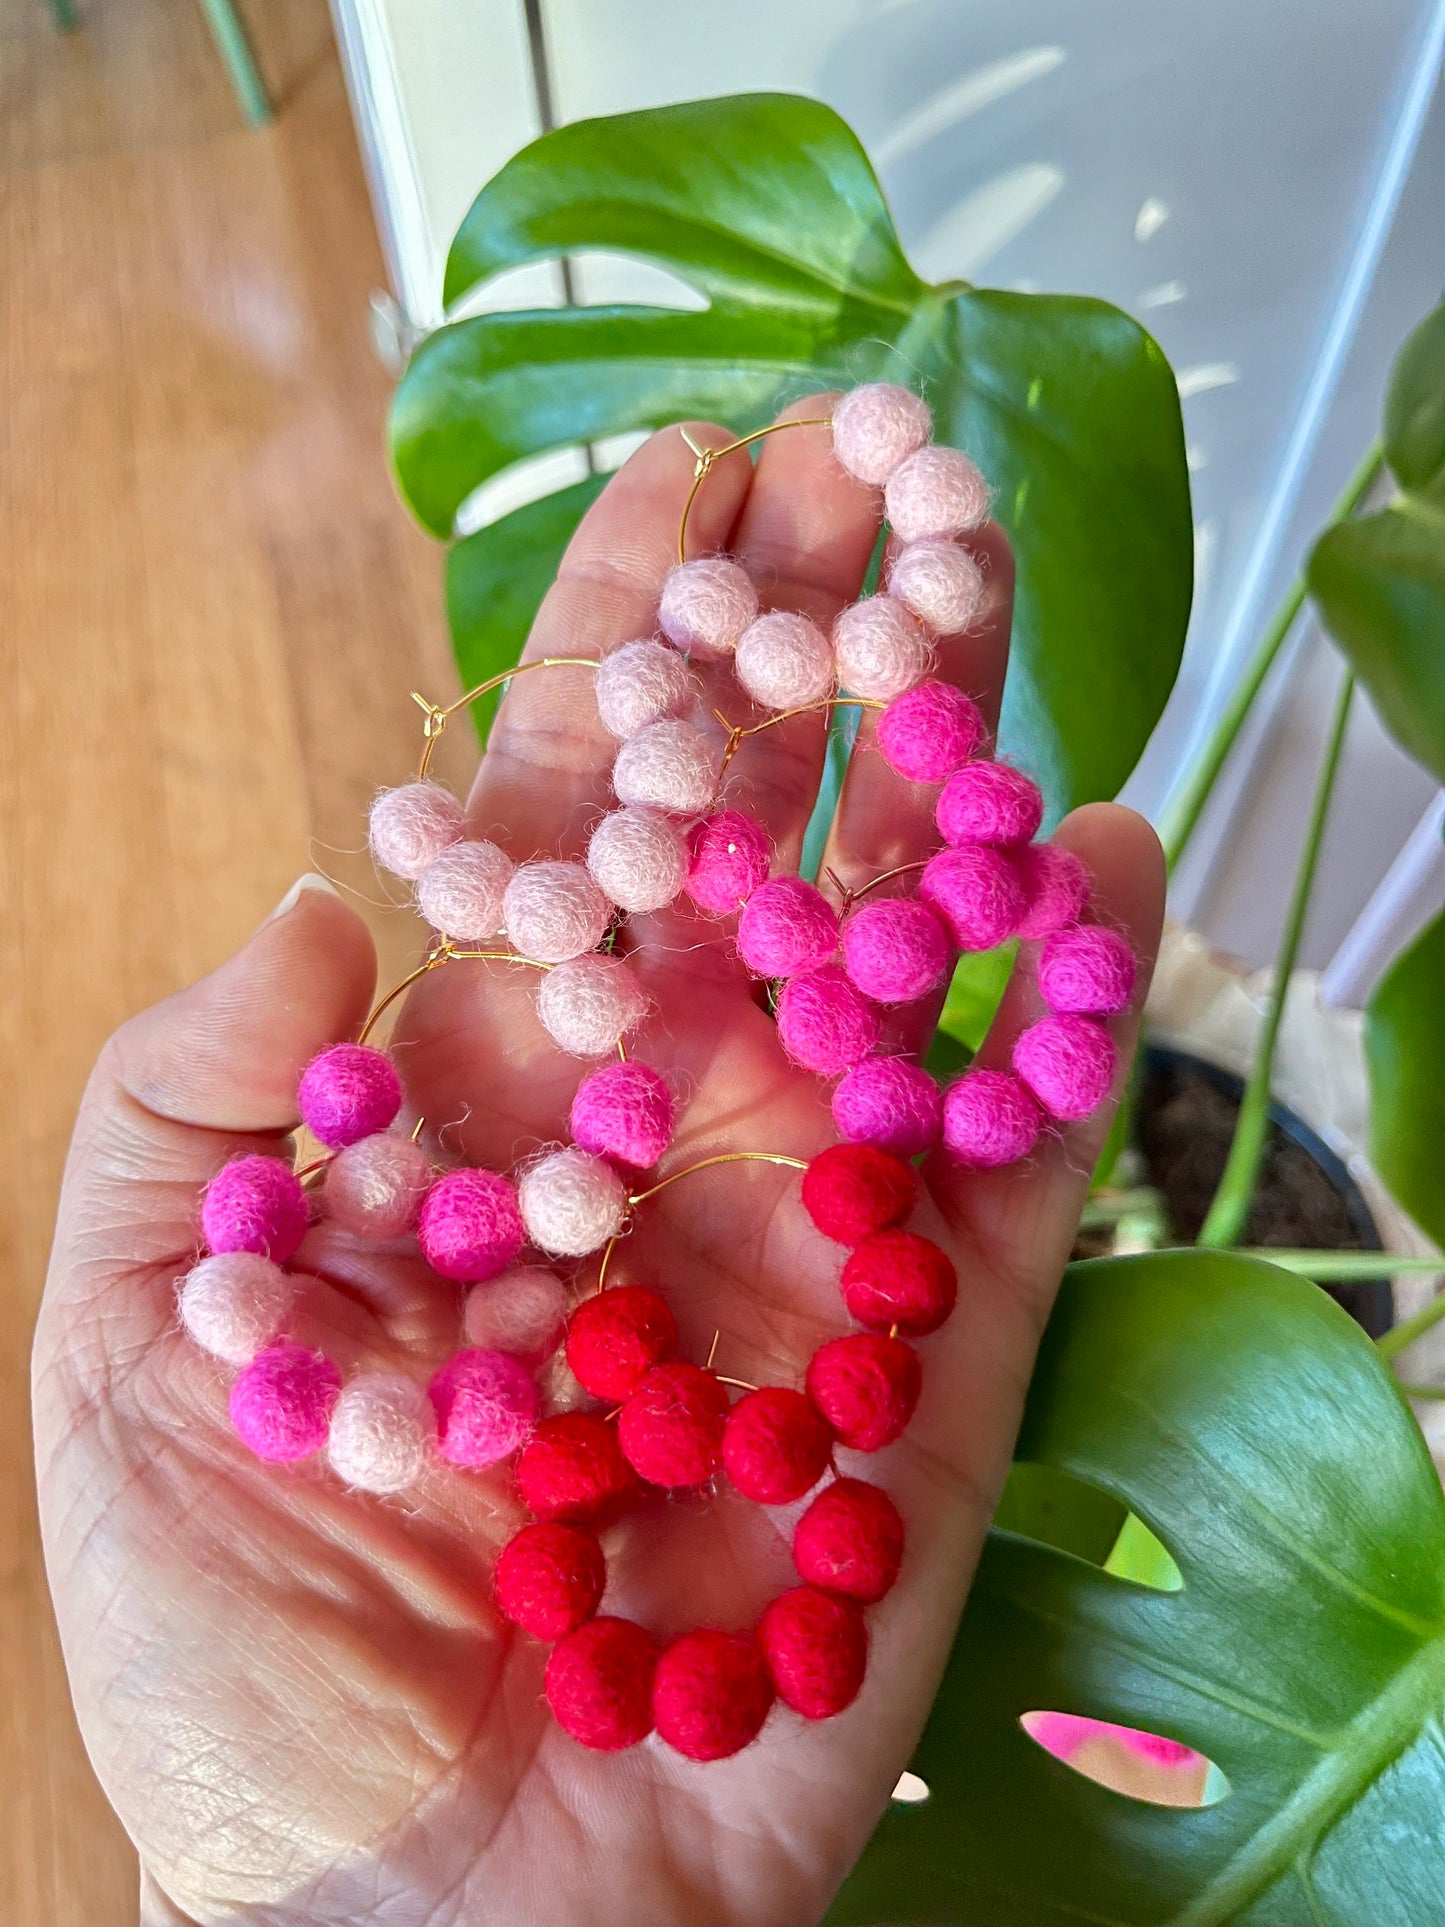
x=786, y=926
x=928, y=732
x=784, y=661
x=624, y=1111
x=824, y=1023
x=977, y=893
x=889, y=1104
x=381, y=1428
x=554, y=911
x=572, y=1203
x=895, y=952
x=374, y=1188
x=411, y=826
x=470, y=1227
x=255, y=1204
x=348, y=1092
x=486, y=1406
x=460, y=892
x=706, y=606
x=522, y=1312
x=989, y=803
x=937, y=491
x=1087, y=970
x=589, y=1005
x=728, y=857
x=281, y=1403
x=989, y=1120
x=1068, y=1063
x=638, y=859
x=669, y=766
x=939, y=582
x=642, y=683
x=1056, y=889
x=880, y=649
x=876, y=427
x=235, y=1303
x=615, y=1337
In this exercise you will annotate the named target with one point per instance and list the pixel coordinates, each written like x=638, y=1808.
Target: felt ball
x=1087, y=970
x=825, y=1023
x=706, y=605
x=786, y=926
x=255, y=1204
x=461, y=891
x=989, y=1120
x=977, y=892
x=711, y=1694
x=572, y=1469
x=671, y=1428
x=876, y=427
x=554, y=911
x=896, y=952
x=784, y=661
x=890, y=1104
x=281, y=1403
x=233, y=1304
x=850, y=1191
x=898, y=1278
x=642, y=683
x=936, y=491
x=624, y=1111
x=989, y=803
x=930, y=731
x=549, y=1579
x=638, y=859
x=599, y=1684
x=381, y=1428
x=728, y=857
x=940, y=582
x=776, y=1445
x=589, y=1005
x=1055, y=886
x=522, y=1312
x=850, y=1540
x=572, y=1203
x=866, y=1385
x=411, y=826
x=1068, y=1063
x=615, y=1337
x=880, y=648
x=816, y=1647
x=374, y=1187
x=348, y=1092
x=667, y=766
x=486, y=1404
x=470, y=1226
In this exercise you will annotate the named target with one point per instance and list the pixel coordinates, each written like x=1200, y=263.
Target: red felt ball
x=616, y=1337
x=549, y=1579
x=671, y=1428
x=852, y=1190
x=776, y=1445
x=816, y=1647
x=599, y=1684
x=711, y=1694
x=572, y=1469
x=866, y=1386
x=850, y=1540
x=898, y=1278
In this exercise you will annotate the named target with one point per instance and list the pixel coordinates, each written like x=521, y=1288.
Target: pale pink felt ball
x=348, y=1092
x=375, y=1188
x=728, y=857
x=1056, y=889
x=486, y=1407
x=382, y=1427
x=460, y=892
x=786, y=926
x=638, y=859
x=989, y=1120
x=642, y=683
x=522, y=1312
x=784, y=661
x=411, y=826
x=281, y=1403
x=976, y=890
x=989, y=803
x=233, y=1304
x=1087, y=970
x=1068, y=1063
x=896, y=952
x=255, y=1204
x=589, y=1005
x=624, y=1111
x=825, y=1024
x=876, y=427
x=470, y=1225
x=706, y=605
x=890, y=1104
x=554, y=911
x=880, y=648
x=929, y=732
x=940, y=582
x=572, y=1203
x=669, y=766
x=937, y=491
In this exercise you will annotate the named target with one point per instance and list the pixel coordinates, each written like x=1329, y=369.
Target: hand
x=299, y=1699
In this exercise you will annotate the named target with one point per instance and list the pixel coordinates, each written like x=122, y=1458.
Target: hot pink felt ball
x=977, y=892
x=706, y=605
x=784, y=661
x=989, y=1120
x=348, y=1092
x=589, y=1005
x=1056, y=889
x=929, y=732
x=876, y=427
x=825, y=1024
x=989, y=803
x=554, y=911
x=642, y=683
x=668, y=766
x=572, y=1203
x=382, y=1427
x=638, y=859
x=486, y=1405
x=255, y=1204
x=460, y=892
x=1068, y=1063
x=880, y=648
x=411, y=826
x=940, y=582
x=281, y=1403
x=234, y=1303
x=522, y=1312
x=937, y=491
x=786, y=926
x=728, y=857
x=890, y=1104
x=470, y=1225
x=624, y=1111
x=896, y=952
x=1088, y=970
x=374, y=1188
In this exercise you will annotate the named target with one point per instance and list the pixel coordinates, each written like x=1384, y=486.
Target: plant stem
x=1225, y=1219
x=1422, y=1391
x=1400, y=1337
x=1342, y=1267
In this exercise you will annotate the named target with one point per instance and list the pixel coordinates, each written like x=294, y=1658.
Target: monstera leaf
x=766, y=207
x=1405, y=1052
x=1248, y=1423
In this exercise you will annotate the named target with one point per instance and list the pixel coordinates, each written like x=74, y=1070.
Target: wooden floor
x=211, y=610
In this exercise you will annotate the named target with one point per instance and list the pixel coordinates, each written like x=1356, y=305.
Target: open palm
x=299, y=1698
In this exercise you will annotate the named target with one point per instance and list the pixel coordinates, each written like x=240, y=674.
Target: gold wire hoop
x=688, y=1170
x=707, y=456
x=435, y=718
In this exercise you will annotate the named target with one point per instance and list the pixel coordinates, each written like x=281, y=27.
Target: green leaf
x=1415, y=410
x=974, y=993
x=1405, y=1054
x=1250, y=1425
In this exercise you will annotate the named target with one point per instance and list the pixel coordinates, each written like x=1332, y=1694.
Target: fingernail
x=313, y=880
